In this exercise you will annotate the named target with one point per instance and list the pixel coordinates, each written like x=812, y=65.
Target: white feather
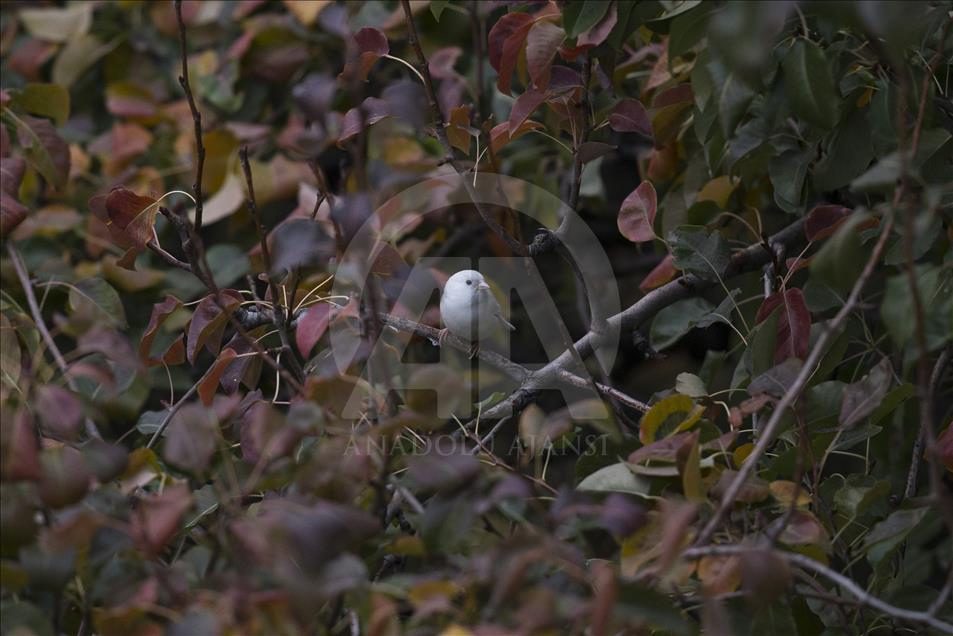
x=469, y=309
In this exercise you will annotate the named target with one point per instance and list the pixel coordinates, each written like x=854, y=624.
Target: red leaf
x=442, y=61
x=375, y=109
x=629, y=115
x=524, y=106
x=160, y=312
x=156, y=519
x=674, y=95
x=311, y=326
x=638, y=213
x=660, y=274
x=511, y=53
x=12, y=212
x=504, y=28
x=944, y=444
x=209, y=383
x=542, y=42
x=824, y=220
x=500, y=135
x=242, y=370
x=208, y=323
x=794, y=323
x=367, y=46
x=19, y=457
x=60, y=412
x=134, y=215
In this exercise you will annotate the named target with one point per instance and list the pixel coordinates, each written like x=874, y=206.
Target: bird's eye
x=469, y=282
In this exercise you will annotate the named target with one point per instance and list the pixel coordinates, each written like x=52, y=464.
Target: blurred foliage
x=221, y=500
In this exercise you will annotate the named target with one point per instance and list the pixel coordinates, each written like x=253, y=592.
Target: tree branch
x=196, y=117
x=440, y=129
x=24, y=278
x=863, y=597
x=279, y=313
x=770, y=429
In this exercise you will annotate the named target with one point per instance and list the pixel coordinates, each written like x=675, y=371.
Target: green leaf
x=810, y=86
x=862, y=397
x=848, y=153
x=437, y=7
x=788, y=172
x=96, y=300
x=890, y=532
x=854, y=499
x=696, y=251
x=46, y=100
x=881, y=177
x=579, y=17
x=615, y=478
x=842, y=258
x=691, y=385
x=895, y=309
x=673, y=322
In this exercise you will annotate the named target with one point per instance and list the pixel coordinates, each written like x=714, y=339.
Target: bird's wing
x=506, y=323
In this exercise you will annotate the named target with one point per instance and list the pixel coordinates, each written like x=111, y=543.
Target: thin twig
x=196, y=117
x=440, y=129
x=770, y=429
x=939, y=369
x=279, y=313
x=23, y=276
x=863, y=597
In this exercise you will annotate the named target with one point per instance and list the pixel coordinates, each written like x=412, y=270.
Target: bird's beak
x=483, y=286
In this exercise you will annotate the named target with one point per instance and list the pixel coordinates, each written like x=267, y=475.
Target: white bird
x=469, y=310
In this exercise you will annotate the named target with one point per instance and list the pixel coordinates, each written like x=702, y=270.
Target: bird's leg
x=474, y=350
x=442, y=336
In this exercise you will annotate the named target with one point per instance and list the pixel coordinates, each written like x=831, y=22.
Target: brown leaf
x=157, y=517
x=19, y=456
x=629, y=115
x=824, y=220
x=458, y=132
x=208, y=323
x=366, y=47
x=794, y=324
x=133, y=214
x=525, y=105
x=500, y=134
x=311, y=326
x=160, y=312
x=753, y=490
x=660, y=274
x=60, y=412
x=542, y=43
x=637, y=214
x=209, y=383
x=191, y=438
x=12, y=212
x=64, y=477
x=374, y=109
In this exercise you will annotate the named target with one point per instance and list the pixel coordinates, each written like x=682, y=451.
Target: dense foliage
x=771, y=183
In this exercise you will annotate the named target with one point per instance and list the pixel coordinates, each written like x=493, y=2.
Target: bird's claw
x=474, y=350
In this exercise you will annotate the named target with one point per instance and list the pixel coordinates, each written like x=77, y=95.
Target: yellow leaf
x=692, y=474
x=741, y=453
x=458, y=133
x=784, y=490
x=718, y=190
x=456, y=630
x=306, y=11
x=719, y=574
x=661, y=413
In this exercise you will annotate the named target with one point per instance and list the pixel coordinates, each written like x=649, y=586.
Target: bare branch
x=196, y=117
x=863, y=597
x=24, y=278
x=440, y=129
